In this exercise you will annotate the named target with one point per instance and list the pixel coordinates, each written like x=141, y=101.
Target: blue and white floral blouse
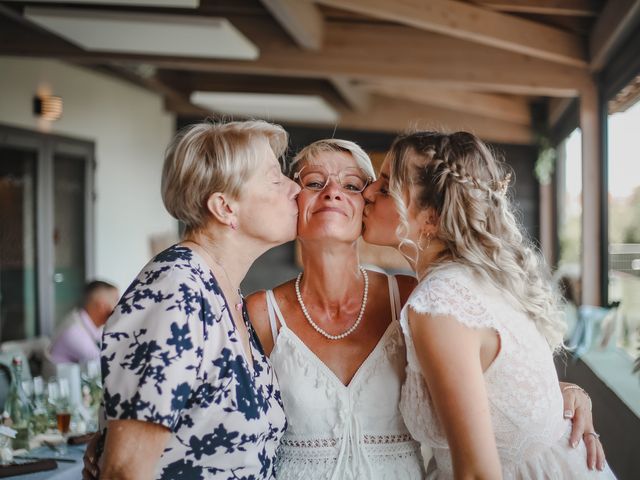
x=171, y=355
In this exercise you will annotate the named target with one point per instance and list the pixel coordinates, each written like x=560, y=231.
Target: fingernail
x=568, y=414
x=592, y=465
x=601, y=466
x=574, y=444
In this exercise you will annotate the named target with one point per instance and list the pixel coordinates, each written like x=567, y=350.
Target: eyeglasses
x=316, y=178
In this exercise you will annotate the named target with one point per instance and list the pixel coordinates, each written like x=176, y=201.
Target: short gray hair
x=209, y=157
x=332, y=145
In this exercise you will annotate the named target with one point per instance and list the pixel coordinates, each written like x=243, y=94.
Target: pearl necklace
x=351, y=329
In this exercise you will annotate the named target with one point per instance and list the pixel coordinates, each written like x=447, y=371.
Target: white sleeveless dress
x=338, y=432
x=525, y=401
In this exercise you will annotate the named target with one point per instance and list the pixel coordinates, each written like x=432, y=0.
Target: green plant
x=546, y=162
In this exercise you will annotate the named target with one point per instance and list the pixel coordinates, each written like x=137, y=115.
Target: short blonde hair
x=332, y=145
x=209, y=157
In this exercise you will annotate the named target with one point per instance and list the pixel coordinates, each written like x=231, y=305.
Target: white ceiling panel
x=142, y=33
x=274, y=107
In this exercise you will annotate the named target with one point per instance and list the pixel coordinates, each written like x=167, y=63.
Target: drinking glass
x=59, y=400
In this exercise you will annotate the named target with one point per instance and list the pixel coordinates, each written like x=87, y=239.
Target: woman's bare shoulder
x=259, y=314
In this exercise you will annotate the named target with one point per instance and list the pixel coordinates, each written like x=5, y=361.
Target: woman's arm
x=132, y=449
x=454, y=374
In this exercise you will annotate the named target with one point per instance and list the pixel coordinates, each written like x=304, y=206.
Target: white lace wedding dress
x=525, y=400
x=339, y=432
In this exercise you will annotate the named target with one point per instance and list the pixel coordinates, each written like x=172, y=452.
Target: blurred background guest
x=79, y=336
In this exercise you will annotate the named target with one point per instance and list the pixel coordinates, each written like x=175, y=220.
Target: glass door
x=70, y=188
x=46, y=229
x=18, y=259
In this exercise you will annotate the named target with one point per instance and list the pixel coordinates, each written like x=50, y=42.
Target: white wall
x=130, y=130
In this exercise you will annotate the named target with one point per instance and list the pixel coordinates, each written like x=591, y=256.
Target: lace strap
x=273, y=310
x=451, y=295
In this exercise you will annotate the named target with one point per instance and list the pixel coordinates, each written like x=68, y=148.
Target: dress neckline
x=250, y=356
x=323, y=366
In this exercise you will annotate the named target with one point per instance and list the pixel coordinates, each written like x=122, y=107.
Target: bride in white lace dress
x=482, y=325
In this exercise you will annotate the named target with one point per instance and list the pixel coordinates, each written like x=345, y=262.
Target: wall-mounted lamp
x=47, y=107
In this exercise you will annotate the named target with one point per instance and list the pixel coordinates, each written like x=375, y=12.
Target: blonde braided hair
x=460, y=178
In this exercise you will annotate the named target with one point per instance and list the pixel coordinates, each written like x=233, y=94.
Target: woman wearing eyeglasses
x=333, y=337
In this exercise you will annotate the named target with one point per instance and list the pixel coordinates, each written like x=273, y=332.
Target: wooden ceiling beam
x=617, y=19
x=304, y=22
x=395, y=115
x=301, y=19
x=392, y=115
x=355, y=96
x=189, y=81
x=571, y=8
x=356, y=51
x=500, y=107
x=364, y=51
x=557, y=108
x=476, y=24
x=146, y=77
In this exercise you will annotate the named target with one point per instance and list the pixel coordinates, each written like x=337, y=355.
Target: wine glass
x=59, y=399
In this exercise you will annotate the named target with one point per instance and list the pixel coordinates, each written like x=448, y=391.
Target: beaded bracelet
x=576, y=387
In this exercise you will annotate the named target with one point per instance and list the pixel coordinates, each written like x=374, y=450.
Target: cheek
x=358, y=207
x=392, y=216
x=386, y=210
x=303, y=200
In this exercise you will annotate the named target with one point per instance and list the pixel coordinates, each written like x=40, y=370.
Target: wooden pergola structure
x=488, y=66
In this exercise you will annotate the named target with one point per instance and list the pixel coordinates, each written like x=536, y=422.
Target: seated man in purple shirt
x=78, y=338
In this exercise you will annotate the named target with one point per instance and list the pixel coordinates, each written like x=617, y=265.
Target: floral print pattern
x=171, y=355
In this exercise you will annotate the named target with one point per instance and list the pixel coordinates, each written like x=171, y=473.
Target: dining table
x=69, y=463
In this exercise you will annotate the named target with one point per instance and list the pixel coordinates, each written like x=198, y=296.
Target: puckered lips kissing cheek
x=367, y=215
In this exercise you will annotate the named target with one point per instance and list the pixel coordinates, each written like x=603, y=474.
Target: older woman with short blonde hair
x=188, y=390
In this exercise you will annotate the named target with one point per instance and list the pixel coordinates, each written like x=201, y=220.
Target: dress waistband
x=373, y=445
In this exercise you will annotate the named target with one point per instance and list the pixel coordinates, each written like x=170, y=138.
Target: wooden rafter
x=189, y=81
x=147, y=78
x=357, y=98
x=557, y=108
x=477, y=24
x=573, y=8
x=510, y=109
x=301, y=19
x=616, y=20
x=360, y=52
x=394, y=115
